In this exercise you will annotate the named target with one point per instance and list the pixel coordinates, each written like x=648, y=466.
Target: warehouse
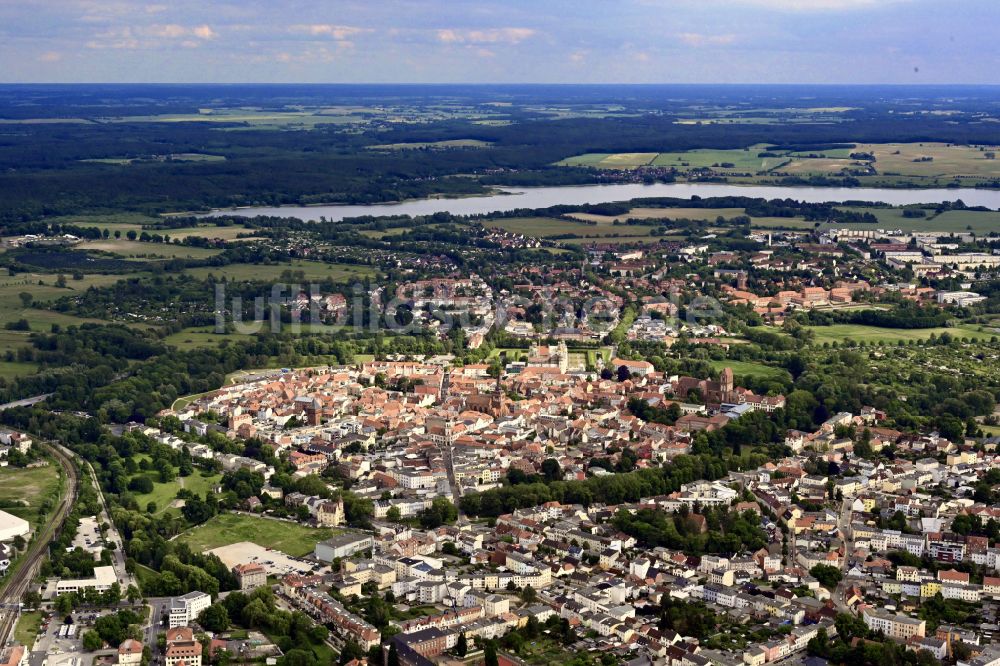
x=11, y=526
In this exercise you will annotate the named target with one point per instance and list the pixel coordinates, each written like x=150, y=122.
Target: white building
x=11, y=526
x=185, y=609
x=104, y=578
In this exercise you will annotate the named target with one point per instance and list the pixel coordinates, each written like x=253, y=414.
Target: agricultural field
x=841, y=333
x=42, y=289
x=137, y=249
x=610, y=160
x=24, y=490
x=210, y=231
x=661, y=214
x=312, y=270
x=741, y=160
x=946, y=161
x=543, y=227
x=288, y=537
x=952, y=221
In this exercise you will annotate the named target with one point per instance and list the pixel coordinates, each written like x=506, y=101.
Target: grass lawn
x=13, y=369
x=165, y=493
x=751, y=369
x=27, y=628
x=31, y=486
x=874, y=334
x=311, y=270
x=228, y=528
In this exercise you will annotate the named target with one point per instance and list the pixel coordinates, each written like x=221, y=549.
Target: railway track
x=17, y=584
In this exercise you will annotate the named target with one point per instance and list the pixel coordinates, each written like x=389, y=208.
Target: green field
x=957, y=221
x=195, y=338
x=165, y=493
x=751, y=369
x=873, y=334
x=291, y=538
x=28, y=626
x=131, y=249
x=312, y=270
x=12, y=369
x=31, y=486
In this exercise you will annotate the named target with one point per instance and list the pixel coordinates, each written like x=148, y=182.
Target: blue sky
x=564, y=41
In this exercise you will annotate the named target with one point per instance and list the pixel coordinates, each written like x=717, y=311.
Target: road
x=26, y=402
x=124, y=578
x=18, y=583
x=844, y=525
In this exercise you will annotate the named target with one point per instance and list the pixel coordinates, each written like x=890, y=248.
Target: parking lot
x=275, y=562
x=88, y=536
x=58, y=651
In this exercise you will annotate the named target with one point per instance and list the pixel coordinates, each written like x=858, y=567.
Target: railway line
x=17, y=584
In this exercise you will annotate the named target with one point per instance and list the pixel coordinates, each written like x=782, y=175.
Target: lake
x=512, y=198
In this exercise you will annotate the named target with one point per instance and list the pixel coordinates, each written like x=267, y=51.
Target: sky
x=508, y=41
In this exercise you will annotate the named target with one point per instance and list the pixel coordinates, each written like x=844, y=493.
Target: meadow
x=136, y=249
x=841, y=333
x=750, y=369
x=312, y=270
x=29, y=486
x=952, y=221
x=288, y=537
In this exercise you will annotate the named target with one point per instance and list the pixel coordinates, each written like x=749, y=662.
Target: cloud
x=204, y=32
x=50, y=56
x=487, y=36
x=118, y=38
x=698, y=39
x=808, y=5
x=152, y=36
x=336, y=32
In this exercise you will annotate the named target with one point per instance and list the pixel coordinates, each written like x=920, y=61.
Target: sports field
x=228, y=528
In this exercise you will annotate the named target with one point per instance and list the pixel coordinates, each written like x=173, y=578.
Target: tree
x=528, y=595
x=393, y=658
x=623, y=373
x=462, y=647
x=214, y=618
x=393, y=514
x=92, y=641
x=133, y=594
x=551, y=469
x=26, y=298
x=828, y=576
x=490, y=654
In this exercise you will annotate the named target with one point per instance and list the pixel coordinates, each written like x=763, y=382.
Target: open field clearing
x=137, y=249
x=725, y=160
x=311, y=270
x=433, y=145
x=841, y=333
x=611, y=160
x=210, y=231
x=30, y=487
x=194, y=338
x=225, y=529
x=751, y=369
x=12, y=306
